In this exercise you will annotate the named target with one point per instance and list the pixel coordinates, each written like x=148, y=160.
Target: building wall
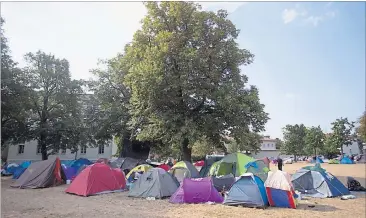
x=268, y=145
x=30, y=153
x=269, y=154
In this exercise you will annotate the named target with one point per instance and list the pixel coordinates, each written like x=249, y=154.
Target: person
x=279, y=163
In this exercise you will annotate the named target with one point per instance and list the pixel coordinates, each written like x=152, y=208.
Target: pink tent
x=196, y=191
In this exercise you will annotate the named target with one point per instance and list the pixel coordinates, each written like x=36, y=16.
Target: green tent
x=333, y=161
x=232, y=163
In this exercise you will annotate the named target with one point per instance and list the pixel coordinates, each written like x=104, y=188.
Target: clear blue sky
x=310, y=56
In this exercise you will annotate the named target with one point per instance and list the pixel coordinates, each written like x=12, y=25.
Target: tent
x=164, y=166
x=184, y=169
x=73, y=167
x=316, y=182
x=10, y=169
x=317, y=160
x=267, y=161
x=233, y=163
x=249, y=191
x=142, y=167
x=156, y=183
x=223, y=183
x=333, y=161
x=207, y=165
x=214, y=169
x=129, y=163
x=279, y=189
x=258, y=168
x=116, y=163
x=41, y=174
x=199, y=163
x=196, y=191
x=20, y=169
x=346, y=160
x=97, y=179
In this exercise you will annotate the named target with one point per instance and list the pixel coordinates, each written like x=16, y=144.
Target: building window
x=20, y=149
x=101, y=149
x=39, y=149
x=83, y=149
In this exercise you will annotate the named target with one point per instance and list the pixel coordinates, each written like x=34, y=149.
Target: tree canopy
x=294, y=139
x=185, y=81
x=314, y=140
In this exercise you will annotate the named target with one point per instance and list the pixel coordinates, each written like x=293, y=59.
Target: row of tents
x=244, y=180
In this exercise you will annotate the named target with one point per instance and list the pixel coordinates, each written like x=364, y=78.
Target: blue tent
x=21, y=168
x=80, y=162
x=249, y=191
x=317, y=160
x=318, y=183
x=18, y=172
x=72, y=168
x=346, y=160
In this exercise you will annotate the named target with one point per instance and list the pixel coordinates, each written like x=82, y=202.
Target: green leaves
x=294, y=139
x=314, y=140
x=183, y=73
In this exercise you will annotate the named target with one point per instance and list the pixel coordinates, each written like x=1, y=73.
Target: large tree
x=342, y=133
x=54, y=98
x=14, y=97
x=314, y=140
x=185, y=81
x=361, y=129
x=294, y=139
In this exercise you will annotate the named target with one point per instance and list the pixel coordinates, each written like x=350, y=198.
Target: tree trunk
x=76, y=154
x=43, y=146
x=315, y=151
x=186, y=151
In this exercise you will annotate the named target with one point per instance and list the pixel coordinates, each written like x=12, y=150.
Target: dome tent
x=249, y=191
x=184, y=169
x=346, y=160
x=156, y=183
x=96, y=179
x=316, y=182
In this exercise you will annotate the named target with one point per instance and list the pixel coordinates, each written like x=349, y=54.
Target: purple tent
x=70, y=172
x=196, y=191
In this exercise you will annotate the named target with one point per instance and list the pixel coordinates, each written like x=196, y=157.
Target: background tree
x=294, y=139
x=53, y=97
x=279, y=143
x=14, y=97
x=342, y=133
x=314, y=140
x=330, y=149
x=360, y=136
x=183, y=71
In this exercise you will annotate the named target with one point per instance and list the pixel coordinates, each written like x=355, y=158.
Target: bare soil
x=54, y=202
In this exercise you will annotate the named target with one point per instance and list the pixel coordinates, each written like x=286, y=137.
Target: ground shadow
x=316, y=207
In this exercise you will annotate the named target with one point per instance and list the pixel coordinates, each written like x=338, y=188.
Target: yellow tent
x=142, y=167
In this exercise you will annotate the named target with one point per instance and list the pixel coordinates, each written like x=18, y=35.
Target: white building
x=351, y=149
x=30, y=151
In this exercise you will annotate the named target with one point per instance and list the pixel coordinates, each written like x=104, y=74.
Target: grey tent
x=129, y=163
x=116, y=163
x=362, y=159
x=258, y=168
x=223, y=182
x=248, y=191
x=156, y=183
x=184, y=169
x=41, y=174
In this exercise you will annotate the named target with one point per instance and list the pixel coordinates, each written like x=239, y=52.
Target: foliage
x=185, y=81
x=361, y=130
x=314, y=140
x=54, y=101
x=14, y=97
x=342, y=133
x=279, y=143
x=294, y=139
x=330, y=148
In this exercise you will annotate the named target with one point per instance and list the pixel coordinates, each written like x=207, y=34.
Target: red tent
x=199, y=163
x=97, y=178
x=165, y=167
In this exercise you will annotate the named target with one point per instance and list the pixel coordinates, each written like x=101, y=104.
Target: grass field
x=54, y=202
